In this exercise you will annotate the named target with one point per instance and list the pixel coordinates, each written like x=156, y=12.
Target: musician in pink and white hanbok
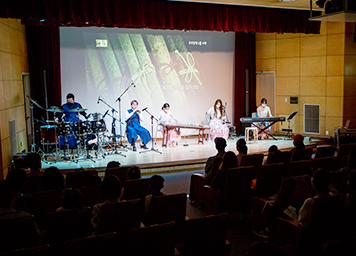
x=166, y=116
x=218, y=127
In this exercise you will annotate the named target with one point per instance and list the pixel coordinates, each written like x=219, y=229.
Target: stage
x=177, y=159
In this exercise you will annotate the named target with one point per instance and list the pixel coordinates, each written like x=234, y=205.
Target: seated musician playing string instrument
x=263, y=111
x=166, y=116
x=134, y=128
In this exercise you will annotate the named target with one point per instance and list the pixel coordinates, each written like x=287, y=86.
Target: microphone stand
x=119, y=100
x=152, y=148
x=114, y=137
x=113, y=130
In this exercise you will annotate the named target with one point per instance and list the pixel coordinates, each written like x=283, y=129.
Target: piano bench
x=254, y=136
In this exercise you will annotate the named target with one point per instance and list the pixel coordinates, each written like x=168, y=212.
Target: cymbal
x=78, y=110
x=55, y=110
x=34, y=102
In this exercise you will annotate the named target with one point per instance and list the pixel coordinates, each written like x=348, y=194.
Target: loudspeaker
x=19, y=160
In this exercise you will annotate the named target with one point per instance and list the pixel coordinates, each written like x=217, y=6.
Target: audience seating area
x=266, y=195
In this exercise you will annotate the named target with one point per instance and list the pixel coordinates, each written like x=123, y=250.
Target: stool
x=255, y=134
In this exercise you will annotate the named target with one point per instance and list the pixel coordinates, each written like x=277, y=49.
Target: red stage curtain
x=244, y=60
x=159, y=15
x=44, y=55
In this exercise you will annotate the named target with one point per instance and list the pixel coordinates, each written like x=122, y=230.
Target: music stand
x=289, y=130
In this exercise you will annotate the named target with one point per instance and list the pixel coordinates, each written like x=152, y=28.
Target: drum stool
x=254, y=136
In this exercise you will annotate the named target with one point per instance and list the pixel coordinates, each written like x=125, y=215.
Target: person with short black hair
x=52, y=179
x=298, y=142
x=33, y=161
x=134, y=173
x=73, y=200
x=220, y=145
x=133, y=118
x=229, y=161
x=113, y=164
x=156, y=184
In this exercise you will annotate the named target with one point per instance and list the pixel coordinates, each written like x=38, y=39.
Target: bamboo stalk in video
x=133, y=64
x=148, y=70
x=177, y=62
x=96, y=69
x=169, y=75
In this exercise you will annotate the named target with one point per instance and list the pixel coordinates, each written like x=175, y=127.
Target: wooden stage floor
x=180, y=158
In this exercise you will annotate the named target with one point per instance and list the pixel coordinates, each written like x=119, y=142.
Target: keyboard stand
x=263, y=130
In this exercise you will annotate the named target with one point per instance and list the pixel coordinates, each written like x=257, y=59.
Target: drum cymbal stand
x=65, y=152
x=34, y=147
x=86, y=150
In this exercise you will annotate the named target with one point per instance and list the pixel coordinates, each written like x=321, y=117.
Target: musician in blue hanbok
x=133, y=118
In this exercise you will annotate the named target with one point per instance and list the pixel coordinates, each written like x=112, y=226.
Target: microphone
x=144, y=108
x=98, y=100
x=105, y=113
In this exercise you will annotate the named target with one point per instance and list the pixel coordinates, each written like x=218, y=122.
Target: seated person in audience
x=298, y=142
x=229, y=161
x=73, y=200
x=134, y=173
x=351, y=163
x=17, y=178
x=220, y=145
x=111, y=189
x=52, y=179
x=156, y=184
x=262, y=248
x=273, y=155
x=7, y=212
x=33, y=161
x=241, y=149
x=321, y=184
x=93, y=179
x=113, y=164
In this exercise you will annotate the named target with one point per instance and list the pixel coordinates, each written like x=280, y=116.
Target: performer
x=218, y=128
x=133, y=117
x=71, y=117
x=263, y=111
x=166, y=116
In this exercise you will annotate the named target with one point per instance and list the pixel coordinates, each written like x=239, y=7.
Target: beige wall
x=313, y=68
x=13, y=62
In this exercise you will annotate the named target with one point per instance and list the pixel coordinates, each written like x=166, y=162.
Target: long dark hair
x=220, y=108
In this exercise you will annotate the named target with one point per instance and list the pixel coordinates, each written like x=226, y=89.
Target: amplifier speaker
x=344, y=136
x=19, y=160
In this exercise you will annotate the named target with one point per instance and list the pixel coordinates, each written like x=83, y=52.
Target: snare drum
x=98, y=126
x=64, y=128
x=48, y=134
x=81, y=128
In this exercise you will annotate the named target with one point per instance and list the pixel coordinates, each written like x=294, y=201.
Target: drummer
x=71, y=116
x=71, y=110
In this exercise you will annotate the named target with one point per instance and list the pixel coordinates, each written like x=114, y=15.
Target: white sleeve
x=269, y=112
x=210, y=111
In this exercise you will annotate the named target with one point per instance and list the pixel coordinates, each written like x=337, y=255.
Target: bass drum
x=98, y=126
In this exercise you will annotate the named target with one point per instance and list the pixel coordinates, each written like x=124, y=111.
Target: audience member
x=113, y=164
x=241, y=149
x=93, y=179
x=52, y=179
x=220, y=145
x=27, y=236
x=298, y=142
x=351, y=163
x=73, y=200
x=321, y=184
x=111, y=190
x=229, y=161
x=33, y=161
x=17, y=178
x=134, y=173
x=274, y=155
x=262, y=248
x=156, y=184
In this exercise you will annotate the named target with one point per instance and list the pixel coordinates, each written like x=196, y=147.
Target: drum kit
x=72, y=141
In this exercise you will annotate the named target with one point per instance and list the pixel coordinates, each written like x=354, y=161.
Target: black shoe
x=144, y=146
x=134, y=148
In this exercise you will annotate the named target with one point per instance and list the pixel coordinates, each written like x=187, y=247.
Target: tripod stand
x=289, y=130
x=152, y=148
